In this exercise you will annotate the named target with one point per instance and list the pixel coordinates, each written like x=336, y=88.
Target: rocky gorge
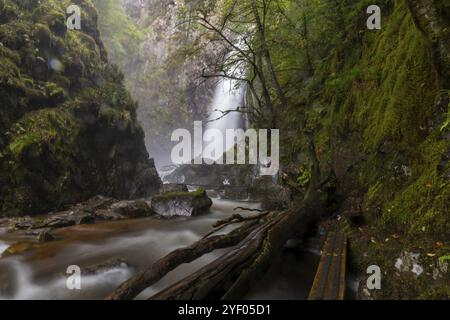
x=86, y=118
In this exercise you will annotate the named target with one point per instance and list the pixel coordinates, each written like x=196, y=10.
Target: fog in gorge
x=167, y=84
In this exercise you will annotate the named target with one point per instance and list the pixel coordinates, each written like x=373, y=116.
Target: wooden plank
x=329, y=282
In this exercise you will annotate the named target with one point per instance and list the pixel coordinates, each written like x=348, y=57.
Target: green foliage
x=304, y=177
x=66, y=120
x=446, y=125
x=119, y=33
x=43, y=127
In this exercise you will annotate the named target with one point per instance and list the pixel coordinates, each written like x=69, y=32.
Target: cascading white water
x=229, y=96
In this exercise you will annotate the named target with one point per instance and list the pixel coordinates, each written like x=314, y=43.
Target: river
x=40, y=271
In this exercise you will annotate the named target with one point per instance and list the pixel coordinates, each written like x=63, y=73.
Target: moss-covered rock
x=68, y=126
x=181, y=203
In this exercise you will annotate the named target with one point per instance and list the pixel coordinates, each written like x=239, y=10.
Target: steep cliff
x=162, y=59
x=378, y=104
x=68, y=126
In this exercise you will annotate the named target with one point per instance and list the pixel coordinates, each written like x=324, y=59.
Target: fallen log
x=235, y=218
x=256, y=240
x=144, y=279
x=230, y=276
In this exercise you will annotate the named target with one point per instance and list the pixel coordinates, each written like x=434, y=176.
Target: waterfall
x=229, y=95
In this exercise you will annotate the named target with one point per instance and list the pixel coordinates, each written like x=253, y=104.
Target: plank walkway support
x=329, y=282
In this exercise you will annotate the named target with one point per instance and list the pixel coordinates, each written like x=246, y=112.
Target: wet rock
x=132, y=209
x=181, y=203
x=108, y=215
x=82, y=213
x=19, y=247
x=110, y=147
x=86, y=218
x=55, y=222
x=45, y=236
x=21, y=223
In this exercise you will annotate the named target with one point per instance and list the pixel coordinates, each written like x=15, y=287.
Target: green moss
x=66, y=121
x=9, y=71
x=423, y=205
x=43, y=127
x=384, y=103
x=378, y=110
x=122, y=37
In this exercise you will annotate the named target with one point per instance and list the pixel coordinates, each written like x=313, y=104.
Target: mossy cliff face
x=68, y=126
x=387, y=138
x=377, y=102
x=432, y=17
x=388, y=111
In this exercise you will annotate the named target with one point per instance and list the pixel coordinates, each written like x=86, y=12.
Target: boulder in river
x=181, y=203
x=132, y=209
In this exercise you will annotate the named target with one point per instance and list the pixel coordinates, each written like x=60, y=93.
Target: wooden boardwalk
x=329, y=282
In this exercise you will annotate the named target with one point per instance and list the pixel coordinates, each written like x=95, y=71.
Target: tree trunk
x=266, y=54
x=265, y=91
x=231, y=276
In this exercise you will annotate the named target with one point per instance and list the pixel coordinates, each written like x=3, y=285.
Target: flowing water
x=229, y=96
x=40, y=271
